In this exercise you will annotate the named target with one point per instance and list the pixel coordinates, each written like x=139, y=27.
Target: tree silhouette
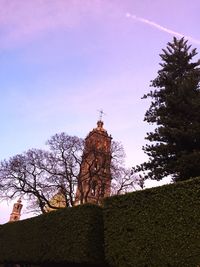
x=175, y=110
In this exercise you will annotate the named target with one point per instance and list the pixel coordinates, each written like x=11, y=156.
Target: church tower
x=16, y=212
x=95, y=176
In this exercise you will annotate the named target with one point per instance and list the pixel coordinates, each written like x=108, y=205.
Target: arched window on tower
x=105, y=146
x=103, y=187
x=95, y=166
x=93, y=188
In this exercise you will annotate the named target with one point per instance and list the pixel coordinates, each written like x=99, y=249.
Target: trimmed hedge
x=156, y=227
x=70, y=235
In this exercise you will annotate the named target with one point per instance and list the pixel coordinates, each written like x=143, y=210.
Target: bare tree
x=123, y=179
x=23, y=175
x=40, y=176
x=66, y=153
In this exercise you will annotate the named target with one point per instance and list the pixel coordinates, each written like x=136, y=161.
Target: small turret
x=16, y=212
x=100, y=126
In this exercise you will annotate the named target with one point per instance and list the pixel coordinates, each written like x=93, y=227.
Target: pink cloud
x=22, y=21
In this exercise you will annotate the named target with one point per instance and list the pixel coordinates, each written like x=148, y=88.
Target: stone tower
x=16, y=212
x=95, y=176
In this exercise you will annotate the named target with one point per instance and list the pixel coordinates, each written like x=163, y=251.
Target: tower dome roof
x=100, y=126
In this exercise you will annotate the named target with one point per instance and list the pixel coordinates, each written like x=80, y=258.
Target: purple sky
x=62, y=60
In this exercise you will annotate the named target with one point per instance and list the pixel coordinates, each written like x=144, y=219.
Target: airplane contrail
x=161, y=28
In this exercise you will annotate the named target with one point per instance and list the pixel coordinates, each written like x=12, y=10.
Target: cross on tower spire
x=101, y=113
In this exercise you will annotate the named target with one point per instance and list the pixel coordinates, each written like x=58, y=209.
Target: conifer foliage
x=174, y=147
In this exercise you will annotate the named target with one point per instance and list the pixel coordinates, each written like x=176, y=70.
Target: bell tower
x=94, y=179
x=16, y=212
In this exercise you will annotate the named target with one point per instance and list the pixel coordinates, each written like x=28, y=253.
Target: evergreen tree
x=175, y=110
